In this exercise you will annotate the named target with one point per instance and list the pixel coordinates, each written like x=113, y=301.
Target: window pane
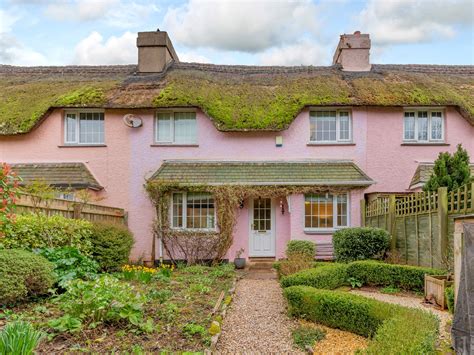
x=163, y=127
x=324, y=125
x=409, y=125
x=423, y=126
x=319, y=211
x=344, y=126
x=177, y=221
x=200, y=211
x=185, y=127
x=342, y=210
x=436, y=126
x=71, y=126
x=91, y=127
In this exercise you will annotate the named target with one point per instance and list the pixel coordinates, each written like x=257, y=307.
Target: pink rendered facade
x=129, y=157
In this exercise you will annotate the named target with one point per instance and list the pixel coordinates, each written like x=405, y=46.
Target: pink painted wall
x=128, y=159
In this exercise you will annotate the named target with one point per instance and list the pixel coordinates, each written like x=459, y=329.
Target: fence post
x=362, y=212
x=443, y=223
x=76, y=212
x=391, y=221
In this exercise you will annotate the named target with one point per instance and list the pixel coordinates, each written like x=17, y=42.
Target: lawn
x=176, y=314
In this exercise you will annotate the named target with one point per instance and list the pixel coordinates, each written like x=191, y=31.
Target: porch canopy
x=269, y=173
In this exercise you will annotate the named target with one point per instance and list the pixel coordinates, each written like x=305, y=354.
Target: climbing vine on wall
x=197, y=245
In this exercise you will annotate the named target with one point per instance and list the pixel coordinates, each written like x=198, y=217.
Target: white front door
x=262, y=227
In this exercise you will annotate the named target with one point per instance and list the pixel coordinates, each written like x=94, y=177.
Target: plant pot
x=239, y=263
x=434, y=289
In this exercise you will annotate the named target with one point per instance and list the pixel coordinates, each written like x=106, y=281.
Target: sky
x=265, y=32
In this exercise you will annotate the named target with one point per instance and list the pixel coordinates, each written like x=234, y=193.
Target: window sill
x=329, y=144
x=441, y=144
x=174, y=145
x=82, y=146
x=322, y=231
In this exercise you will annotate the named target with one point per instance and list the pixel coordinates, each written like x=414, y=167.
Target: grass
x=304, y=336
x=390, y=290
x=178, y=310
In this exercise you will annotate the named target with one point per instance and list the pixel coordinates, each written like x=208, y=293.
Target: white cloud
x=192, y=57
x=93, y=50
x=414, y=21
x=305, y=52
x=117, y=13
x=247, y=26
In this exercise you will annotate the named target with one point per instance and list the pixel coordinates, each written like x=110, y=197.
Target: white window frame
x=184, y=216
x=77, y=129
x=430, y=133
x=338, y=126
x=172, y=131
x=334, y=215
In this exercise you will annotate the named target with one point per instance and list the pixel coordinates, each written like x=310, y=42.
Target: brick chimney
x=353, y=52
x=155, y=51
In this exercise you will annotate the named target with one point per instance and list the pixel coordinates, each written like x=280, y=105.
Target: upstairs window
x=330, y=126
x=423, y=126
x=85, y=128
x=176, y=128
x=193, y=211
x=326, y=211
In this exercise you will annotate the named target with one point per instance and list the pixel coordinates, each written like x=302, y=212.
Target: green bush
x=374, y=273
x=23, y=274
x=395, y=329
x=301, y=248
x=360, y=243
x=329, y=276
x=33, y=231
x=449, y=294
x=70, y=264
x=111, y=245
x=19, y=338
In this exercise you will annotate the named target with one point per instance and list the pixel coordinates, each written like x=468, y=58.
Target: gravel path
x=414, y=302
x=257, y=320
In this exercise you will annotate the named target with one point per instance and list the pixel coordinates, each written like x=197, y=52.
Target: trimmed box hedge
x=360, y=243
x=329, y=276
x=374, y=273
x=394, y=329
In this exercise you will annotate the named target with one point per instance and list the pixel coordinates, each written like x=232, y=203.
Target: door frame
x=273, y=229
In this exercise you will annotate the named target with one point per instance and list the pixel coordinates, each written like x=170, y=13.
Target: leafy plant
x=41, y=194
x=390, y=290
x=355, y=282
x=191, y=329
x=199, y=288
x=451, y=171
x=111, y=245
x=169, y=312
x=296, y=262
x=301, y=248
x=70, y=264
x=23, y=274
x=105, y=299
x=19, y=338
x=9, y=183
x=307, y=336
x=33, y=231
x=449, y=294
x=138, y=273
x=66, y=323
x=166, y=269
x=360, y=243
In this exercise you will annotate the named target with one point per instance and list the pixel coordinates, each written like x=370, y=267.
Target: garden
x=363, y=294
x=67, y=285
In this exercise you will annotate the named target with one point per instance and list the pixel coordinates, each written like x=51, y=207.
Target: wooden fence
x=421, y=224
x=70, y=209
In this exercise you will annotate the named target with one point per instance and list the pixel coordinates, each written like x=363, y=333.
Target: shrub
x=111, y=245
x=23, y=274
x=330, y=276
x=360, y=243
x=395, y=329
x=307, y=336
x=69, y=264
x=301, y=248
x=33, y=231
x=295, y=263
x=9, y=183
x=449, y=294
x=19, y=338
x=374, y=273
x=105, y=299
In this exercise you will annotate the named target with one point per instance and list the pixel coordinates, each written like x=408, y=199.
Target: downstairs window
x=326, y=211
x=193, y=211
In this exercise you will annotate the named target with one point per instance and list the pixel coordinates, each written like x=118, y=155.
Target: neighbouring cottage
x=234, y=157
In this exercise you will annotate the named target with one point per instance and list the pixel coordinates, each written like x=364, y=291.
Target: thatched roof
x=236, y=98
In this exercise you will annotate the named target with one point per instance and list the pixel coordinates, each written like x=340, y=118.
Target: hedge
x=374, y=273
x=394, y=329
x=360, y=243
x=304, y=248
x=32, y=231
x=23, y=274
x=329, y=276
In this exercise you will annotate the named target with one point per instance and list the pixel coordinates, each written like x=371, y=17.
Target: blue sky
x=45, y=32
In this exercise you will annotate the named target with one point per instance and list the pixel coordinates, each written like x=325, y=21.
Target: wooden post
x=362, y=212
x=443, y=224
x=76, y=214
x=391, y=221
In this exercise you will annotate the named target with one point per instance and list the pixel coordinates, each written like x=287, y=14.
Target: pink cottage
x=327, y=136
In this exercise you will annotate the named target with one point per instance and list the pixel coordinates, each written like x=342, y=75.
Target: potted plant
x=238, y=261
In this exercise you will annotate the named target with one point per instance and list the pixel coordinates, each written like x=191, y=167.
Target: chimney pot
x=353, y=52
x=155, y=51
